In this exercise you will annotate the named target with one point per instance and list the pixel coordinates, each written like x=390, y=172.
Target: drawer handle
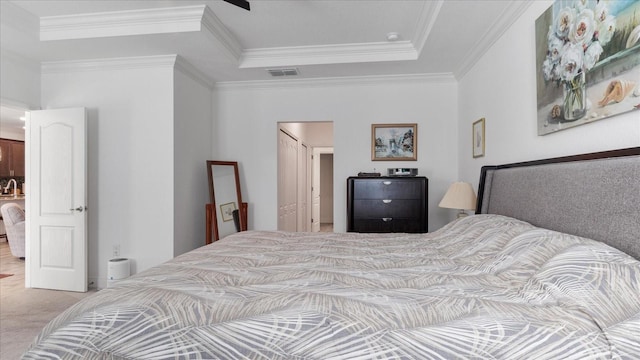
x=387, y=182
x=386, y=201
x=387, y=219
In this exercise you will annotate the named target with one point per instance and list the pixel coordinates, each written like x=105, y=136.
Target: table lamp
x=459, y=196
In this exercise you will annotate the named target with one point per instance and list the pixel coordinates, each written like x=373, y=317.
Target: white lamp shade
x=459, y=196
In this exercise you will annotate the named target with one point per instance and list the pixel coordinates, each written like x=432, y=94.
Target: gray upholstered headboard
x=593, y=195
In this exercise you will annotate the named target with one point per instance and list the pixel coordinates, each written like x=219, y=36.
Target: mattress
x=485, y=286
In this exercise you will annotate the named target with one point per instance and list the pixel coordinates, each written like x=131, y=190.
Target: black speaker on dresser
x=387, y=204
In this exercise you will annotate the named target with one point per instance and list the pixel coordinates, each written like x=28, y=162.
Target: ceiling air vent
x=283, y=72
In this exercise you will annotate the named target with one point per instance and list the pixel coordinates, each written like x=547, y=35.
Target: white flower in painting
x=563, y=22
x=601, y=12
x=592, y=54
x=571, y=62
x=583, y=29
x=547, y=69
x=555, y=49
x=606, y=30
x=550, y=70
x=580, y=4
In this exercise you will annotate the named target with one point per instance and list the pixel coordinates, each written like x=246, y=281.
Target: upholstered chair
x=13, y=217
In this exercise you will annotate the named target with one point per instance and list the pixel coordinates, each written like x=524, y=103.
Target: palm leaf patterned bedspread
x=482, y=287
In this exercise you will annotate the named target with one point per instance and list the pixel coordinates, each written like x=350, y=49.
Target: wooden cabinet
x=387, y=204
x=5, y=148
x=12, y=158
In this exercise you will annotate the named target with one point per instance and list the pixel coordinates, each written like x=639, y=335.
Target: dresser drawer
x=394, y=225
x=365, y=209
x=387, y=189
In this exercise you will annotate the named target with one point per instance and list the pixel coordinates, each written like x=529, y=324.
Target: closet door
x=287, y=182
x=303, y=178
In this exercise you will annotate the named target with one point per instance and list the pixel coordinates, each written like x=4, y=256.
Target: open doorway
x=326, y=195
x=12, y=180
x=303, y=204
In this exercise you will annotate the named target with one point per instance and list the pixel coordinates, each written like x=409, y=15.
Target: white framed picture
x=478, y=138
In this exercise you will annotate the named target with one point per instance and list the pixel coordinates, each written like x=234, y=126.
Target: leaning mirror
x=226, y=214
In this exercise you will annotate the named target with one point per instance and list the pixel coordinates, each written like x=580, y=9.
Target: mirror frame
x=211, y=214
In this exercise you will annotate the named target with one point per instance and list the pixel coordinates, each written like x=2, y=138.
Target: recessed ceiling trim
x=18, y=18
x=52, y=67
x=19, y=60
x=440, y=78
x=122, y=23
x=192, y=72
x=16, y=105
x=216, y=29
x=426, y=20
x=513, y=11
x=328, y=54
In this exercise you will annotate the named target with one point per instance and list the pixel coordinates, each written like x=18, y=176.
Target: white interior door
x=56, y=200
x=303, y=212
x=287, y=182
x=315, y=190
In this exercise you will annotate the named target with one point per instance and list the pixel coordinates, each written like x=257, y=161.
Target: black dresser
x=387, y=204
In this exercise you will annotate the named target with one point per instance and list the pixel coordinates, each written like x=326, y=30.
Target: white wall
x=192, y=148
x=19, y=76
x=246, y=122
x=501, y=88
x=20, y=80
x=19, y=88
x=131, y=157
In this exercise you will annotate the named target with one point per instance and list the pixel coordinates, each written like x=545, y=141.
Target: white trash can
x=119, y=268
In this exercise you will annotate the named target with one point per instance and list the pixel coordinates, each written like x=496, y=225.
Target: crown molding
x=426, y=20
x=216, y=29
x=17, y=105
x=19, y=19
x=328, y=54
x=338, y=81
x=347, y=53
x=504, y=21
x=53, y=67
x=122, y=23
x=20, y=60
x=193, y=73
x=173, y=61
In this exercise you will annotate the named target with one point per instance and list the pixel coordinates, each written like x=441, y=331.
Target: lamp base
x=462, y=214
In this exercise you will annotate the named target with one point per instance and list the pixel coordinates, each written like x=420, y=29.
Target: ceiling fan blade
x=241, y=3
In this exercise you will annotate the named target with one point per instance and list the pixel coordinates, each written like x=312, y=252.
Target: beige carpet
x=24, y=312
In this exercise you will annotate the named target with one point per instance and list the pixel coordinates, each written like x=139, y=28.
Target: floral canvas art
x=588, y=62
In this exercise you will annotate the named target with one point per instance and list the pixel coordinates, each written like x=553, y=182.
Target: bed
x=512, y=282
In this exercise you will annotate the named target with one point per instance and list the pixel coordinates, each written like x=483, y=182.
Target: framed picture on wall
x=478, y=138
x=227, y=211
x=394, y=142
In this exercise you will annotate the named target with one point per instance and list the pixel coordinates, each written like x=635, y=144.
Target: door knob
x=78, y=209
